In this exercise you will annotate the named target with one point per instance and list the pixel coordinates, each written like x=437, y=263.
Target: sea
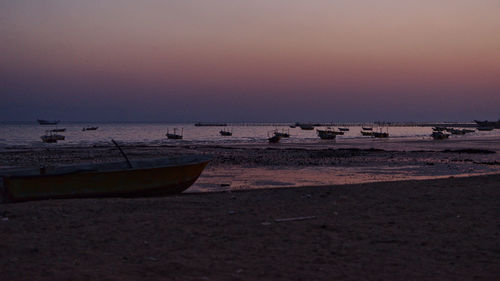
x=401, y=137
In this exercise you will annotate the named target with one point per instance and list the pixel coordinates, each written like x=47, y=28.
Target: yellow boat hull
x=125, y=183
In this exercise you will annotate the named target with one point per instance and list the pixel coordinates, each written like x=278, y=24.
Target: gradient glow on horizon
x=274, y=60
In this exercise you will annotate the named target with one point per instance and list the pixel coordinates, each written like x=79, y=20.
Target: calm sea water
x=14, y=135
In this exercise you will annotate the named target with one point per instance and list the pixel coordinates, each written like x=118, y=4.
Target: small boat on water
x=282, y=134
x=308, y=127
x=125, y=179
x=58, y=130
x=225, y=133
x=367, y=128
x=367, y=133
x=494, y=124
x=274, y=139
x=343, y=129
x=174, y=134
x=439, y=129
x=210, y=124
x=327, y=134
x=90, y=128
x=439, y=135
x=47, y=122
x=454, y=131
x=381, y=134
x=50, y=137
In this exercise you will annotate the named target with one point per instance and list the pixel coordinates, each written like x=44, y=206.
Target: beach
x=444, y=229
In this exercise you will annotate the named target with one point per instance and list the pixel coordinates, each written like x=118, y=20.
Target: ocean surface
x=401, y=137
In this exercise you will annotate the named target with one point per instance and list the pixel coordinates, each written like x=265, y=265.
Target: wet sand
x=446, y=229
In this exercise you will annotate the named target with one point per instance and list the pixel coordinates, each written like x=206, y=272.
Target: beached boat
x=225, y=133
x=174, y=134
x=90, y=128
x=144, y=178
x=439, y=135
x=327, y=134
x=47, y=122
x=367, y=133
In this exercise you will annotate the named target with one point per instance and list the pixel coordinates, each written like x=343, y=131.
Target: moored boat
x=47, y=122
x=90, y=128
x=343, y=129
x=367, y=133
x=174, y=134
x=145, y=178
x=327, y=134
x=50, y=137
x=282, y=134
x=439, y=135
x=494, y=124
x=485, y=128
x=381, y=134
x=306, y=126
x=225, y=133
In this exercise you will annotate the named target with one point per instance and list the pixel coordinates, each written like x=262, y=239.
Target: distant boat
x=306, y=126
x=282, y=134
x=381, y=134
x=174, y=134
x=144, y=178
x=494, y=124
x=274, y=139
x=343, y=129
x=207, y=124
x=439, y=135
x=47, y=122
x=327, y=134
x=58, y=130
x=50, y=137
x=225, y=133
x=367, y=128
x=439, y=129
x=460, y=131
x=293, y=126
x=90, y=128
x=367, y=133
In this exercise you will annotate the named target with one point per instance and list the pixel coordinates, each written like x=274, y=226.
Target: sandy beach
x=261, y=212
x=444, y=229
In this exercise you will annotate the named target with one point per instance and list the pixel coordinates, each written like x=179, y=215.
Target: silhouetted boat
x=144, y=178
x=381, y=134
x=90, y=128
x=459, y=131
x=494, y=124
x=439, y=135
x=47, y=122
x=327, y=134
x=365, y=133
x=225, y=133
x=343, y=129
x=208, y=124
x=367, y=128
x=274, y=139
x=306, y=126
x=50, y=137
x=282, y=134
x=174, y=135
x=58, y=130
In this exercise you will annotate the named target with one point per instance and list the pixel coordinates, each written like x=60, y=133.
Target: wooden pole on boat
x=123, y=153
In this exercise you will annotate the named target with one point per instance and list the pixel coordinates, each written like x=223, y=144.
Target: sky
x=249, y=61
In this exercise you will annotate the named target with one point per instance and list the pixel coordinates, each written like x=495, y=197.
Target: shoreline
x=429, y=229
